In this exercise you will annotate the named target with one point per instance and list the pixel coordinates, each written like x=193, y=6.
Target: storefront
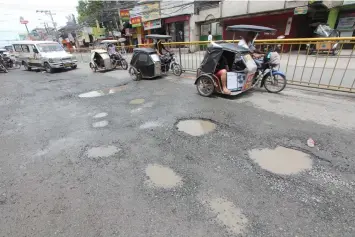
x=285, y=23
x=346, y=19
x=178, y=27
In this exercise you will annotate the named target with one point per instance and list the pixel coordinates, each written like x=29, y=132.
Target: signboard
x=300, y=10
x=288, y=26
x=23, y=21
x=346, y=24
x=136, y=21
x=124, y=14
x=135, y=12
x=154, y=24
x=150, y=12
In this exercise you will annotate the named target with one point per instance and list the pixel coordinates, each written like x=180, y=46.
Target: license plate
x=67, y=65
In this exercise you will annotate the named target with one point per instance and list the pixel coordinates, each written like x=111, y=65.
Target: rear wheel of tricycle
x=124, y=64
x=93, y=67
x=205, y=86
x=275, y=83
x=135, y=75
x=176, y=68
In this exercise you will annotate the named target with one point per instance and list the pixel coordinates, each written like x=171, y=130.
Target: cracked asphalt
x=106, y=166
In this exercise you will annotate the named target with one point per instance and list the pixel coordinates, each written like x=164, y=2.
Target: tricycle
x=246, y=72
x=324, y=31
x=168, y=60
x=145, y=63
x=101, y=61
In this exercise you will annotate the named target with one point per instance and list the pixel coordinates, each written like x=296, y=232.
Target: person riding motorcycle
x=158, y=46
x=111, y=49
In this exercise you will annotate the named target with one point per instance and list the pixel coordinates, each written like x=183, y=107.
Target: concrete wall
x=234, y=8
x=208, y=14
x=263, y=6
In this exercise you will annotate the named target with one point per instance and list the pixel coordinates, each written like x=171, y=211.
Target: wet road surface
x=96, y=154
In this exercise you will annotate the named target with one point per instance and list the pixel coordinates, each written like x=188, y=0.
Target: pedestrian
x=209, y=36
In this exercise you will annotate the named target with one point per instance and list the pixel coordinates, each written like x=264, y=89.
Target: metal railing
x=324, y=68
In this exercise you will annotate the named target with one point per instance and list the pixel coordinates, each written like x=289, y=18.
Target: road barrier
x=317, y=67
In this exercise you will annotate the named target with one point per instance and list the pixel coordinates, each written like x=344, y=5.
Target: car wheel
x=74, y=66
x=48, y=68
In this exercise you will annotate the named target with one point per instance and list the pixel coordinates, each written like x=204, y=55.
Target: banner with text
x=150, y=12
x=136, y=21
x=154, y=24
x=124, y=14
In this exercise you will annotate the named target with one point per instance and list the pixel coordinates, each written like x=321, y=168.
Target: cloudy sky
x=11, y=10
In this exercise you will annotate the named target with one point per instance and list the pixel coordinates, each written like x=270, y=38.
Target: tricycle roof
x=252, y=28
x=144, y=50
x=222, y=45
x=158, y=36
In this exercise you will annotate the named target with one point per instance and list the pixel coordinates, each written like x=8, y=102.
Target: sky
x=12, y=10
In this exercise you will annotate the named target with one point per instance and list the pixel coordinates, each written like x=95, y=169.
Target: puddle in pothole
x=102, y=92
x=281, y=160
x=136, y=101
x=102, y=151
x=196, y=127
x=100, y=124
x=162, y=177
x=100, y=115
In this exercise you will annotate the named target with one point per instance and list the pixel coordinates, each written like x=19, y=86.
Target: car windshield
x=49, y=48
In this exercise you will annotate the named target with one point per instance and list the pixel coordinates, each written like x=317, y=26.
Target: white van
x=47, y=55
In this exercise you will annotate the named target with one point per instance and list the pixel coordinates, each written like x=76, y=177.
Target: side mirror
x=35, y=50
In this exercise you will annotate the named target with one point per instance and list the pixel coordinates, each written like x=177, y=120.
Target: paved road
x=86, y=154
x=316, y=69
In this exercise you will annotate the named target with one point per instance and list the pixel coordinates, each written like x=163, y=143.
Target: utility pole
x=48, y=12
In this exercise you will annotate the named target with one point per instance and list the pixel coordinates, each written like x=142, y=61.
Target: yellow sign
x=300, y=10
x=150, y=12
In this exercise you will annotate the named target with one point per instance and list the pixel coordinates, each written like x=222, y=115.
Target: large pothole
x=281, y=160
x=196, y=127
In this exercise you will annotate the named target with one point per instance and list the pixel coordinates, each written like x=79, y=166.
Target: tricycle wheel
x=176, y=68
x=275, y=83
x=135, y=75
x=93, y=67
x=205, y=86
x=124, y=64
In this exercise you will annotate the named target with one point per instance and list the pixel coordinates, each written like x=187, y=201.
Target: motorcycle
x=117, y=59
x=169, y=62
x=2, y=65
x=324, y=31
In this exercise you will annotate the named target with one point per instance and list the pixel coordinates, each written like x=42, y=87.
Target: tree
x=89, y=12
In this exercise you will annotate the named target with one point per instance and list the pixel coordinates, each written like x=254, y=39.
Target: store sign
x=300, y=10
x=136, y=21
x=155, y=24
x=346, y=24
x=135, y=12
x=150, y=12
x=124, y=14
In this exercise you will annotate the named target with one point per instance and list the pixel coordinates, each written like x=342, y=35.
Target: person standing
x=209, y=36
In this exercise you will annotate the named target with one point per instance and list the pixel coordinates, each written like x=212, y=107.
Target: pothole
x=102, y=92
x=100, y=115
x=228, y=215
x=162, y=177
x=136, y=101
x=100, y=124
x=102, y=151
x=281, y=160
x=196, y=127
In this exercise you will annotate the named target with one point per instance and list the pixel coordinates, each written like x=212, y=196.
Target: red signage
x=23, y=21
x=136, y=21
x=124, y=14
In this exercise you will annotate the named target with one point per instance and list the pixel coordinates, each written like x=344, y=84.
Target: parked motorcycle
x=324, y=31
x=2, y=64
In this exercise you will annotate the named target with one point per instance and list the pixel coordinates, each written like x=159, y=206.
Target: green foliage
x=89, y=11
